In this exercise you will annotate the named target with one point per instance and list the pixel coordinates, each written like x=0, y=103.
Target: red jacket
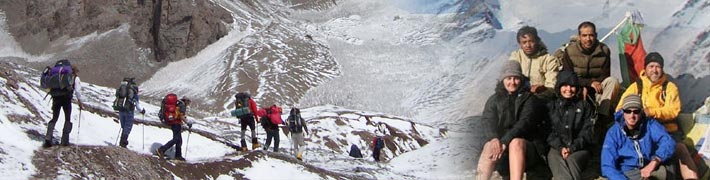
x=252, y=108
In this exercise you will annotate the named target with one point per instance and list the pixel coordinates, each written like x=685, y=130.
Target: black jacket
x=571, y=124
x=511, y=115
x=570, y=119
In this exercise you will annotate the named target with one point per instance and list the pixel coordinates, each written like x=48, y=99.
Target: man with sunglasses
x=636, y=146
x=661, y=101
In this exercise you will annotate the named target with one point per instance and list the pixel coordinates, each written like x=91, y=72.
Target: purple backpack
x=59, y=77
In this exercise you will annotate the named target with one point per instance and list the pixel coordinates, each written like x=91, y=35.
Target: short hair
x=528, y=30
x=586, y=24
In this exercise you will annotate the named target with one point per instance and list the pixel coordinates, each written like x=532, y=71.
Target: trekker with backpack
x=270, y=120
x=661, y=100
x=571, y=124
x=63, y=84
x=514, y=146
x=126, y=102
x=378, y=143
x=244, y=110
x=173, y=112
x=297, y=126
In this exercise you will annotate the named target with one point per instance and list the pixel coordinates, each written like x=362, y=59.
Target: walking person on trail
x=537, y=64
x=297, y=126
x=661, y=100
x=245, y=109
x=636, y=146
x=514, y=146
x=64, y=84
x=173, y=112
x=571, y=124
x=270, y=120
x=127, y=101
x=378, y=143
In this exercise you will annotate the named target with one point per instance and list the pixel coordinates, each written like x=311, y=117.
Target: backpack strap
x=663, y=93
x=639, y=87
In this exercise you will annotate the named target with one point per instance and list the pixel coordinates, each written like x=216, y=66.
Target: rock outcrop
x=170, y=29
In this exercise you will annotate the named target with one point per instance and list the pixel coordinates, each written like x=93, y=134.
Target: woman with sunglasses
x=636, y=145
x=571, y=124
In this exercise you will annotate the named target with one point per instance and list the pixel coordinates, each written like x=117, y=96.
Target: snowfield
x=422, y=68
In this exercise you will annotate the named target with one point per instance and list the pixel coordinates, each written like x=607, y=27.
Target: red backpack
x=275, y=115
x=169, y=110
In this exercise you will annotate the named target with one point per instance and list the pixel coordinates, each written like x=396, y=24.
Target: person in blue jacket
x=636, y=146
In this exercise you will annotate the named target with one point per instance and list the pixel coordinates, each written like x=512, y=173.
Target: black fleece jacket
x=511, y=115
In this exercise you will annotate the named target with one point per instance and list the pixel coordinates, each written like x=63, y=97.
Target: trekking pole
x=118, y=135
x=143, y=119
x=78, y=132
x=189, y=132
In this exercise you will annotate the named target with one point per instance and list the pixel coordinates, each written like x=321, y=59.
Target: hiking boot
x=123, y=144
x=179, y=158
x=159, y=152
x=299, y=157
x=47, y=144
x=255, y=146
x=245, y=149
x=65, y=141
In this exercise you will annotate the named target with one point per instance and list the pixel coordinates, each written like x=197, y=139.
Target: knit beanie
x=632, y=101
x=653, y=57
x=511, y=68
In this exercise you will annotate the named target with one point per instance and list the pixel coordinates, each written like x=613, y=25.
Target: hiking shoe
x=299, y=157
x=159, y=153
x=47, y=144
x=179, y=158
x=65, y=143
x=123, y=144
x=255, y=146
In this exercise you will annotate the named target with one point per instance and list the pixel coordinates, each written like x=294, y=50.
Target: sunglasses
x=627, y=111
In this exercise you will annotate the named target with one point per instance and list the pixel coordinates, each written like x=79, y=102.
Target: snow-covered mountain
x=425, y=68
x=213, y=140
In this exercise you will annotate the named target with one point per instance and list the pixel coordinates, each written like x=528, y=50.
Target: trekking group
x=64, y=84
x=552, y=113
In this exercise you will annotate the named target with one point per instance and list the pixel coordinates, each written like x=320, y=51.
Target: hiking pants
x=298, y=144
x=659, y=173
x=126, y=119
x=247, y=120
x=60, y=102
x=376, y=154
x=570, y=168
x=607, y=99
x=272, y=134
x=177, y=140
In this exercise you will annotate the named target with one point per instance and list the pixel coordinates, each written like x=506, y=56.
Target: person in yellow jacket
x=663, y=104
x=537, y=64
